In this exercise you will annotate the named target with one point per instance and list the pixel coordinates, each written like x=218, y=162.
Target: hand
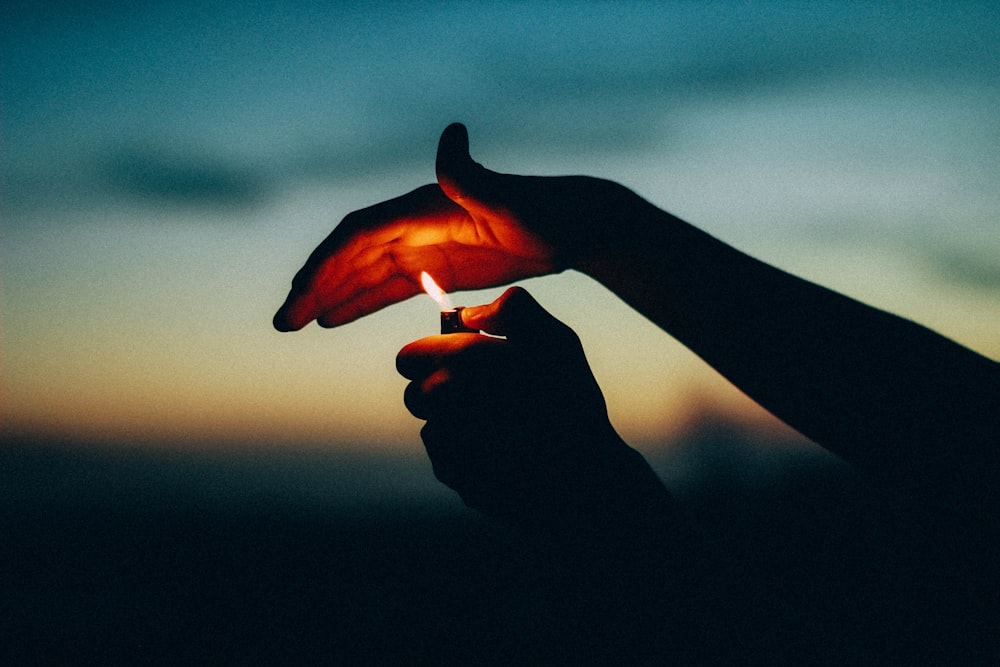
x=474, y=229
x=518, y=426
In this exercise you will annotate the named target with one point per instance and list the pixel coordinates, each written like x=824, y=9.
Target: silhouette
x=518, y=427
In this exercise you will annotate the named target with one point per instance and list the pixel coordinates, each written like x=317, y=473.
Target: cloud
x=966, y=268
x=335, y=92
x=184, y=179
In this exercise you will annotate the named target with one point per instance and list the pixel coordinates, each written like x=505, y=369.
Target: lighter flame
x=435, y=292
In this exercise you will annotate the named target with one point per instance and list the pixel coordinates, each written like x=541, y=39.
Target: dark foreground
x=285, y=558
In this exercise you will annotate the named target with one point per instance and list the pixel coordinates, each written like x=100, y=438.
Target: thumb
x=459, y=176
x=517, y=316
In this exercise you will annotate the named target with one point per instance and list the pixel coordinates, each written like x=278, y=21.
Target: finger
x=421, y=396
x=462, y=179
x=445, y=453
x=517, y=316
x=422, y=357
x=413, y=399
x=294, y=313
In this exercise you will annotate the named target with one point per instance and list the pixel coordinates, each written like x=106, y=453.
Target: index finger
x=424, y=356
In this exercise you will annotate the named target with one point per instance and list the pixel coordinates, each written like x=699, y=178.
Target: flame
x=435, y=292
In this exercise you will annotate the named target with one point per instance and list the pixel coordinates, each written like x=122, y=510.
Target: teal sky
x=168, y=166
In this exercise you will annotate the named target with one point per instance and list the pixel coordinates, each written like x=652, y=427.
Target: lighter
x=451, y=322
x=451, y=318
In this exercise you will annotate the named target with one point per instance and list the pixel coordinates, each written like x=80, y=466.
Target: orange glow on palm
x=435, y=292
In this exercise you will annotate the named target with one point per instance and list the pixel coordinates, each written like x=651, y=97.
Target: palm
x=374, y=257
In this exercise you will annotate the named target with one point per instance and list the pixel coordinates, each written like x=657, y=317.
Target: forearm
x=880, y=391
x=630, y=569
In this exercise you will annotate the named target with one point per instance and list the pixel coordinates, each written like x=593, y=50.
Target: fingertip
x=295, y=313
x=455, y=135
x=281, y=322
x=402, y=361
x=406, y=360
x=453, y=149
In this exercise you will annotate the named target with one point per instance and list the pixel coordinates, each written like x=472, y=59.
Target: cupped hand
x=474, y=229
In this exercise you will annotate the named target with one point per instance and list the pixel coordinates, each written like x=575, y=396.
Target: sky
x=168, y=166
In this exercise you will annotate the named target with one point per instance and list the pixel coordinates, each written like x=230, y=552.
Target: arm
x=884, y=393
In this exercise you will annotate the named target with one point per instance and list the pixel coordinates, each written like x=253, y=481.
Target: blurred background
x=168, y=166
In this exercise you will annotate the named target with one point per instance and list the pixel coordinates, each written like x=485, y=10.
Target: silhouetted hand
x=518, y=426
x=474, y=229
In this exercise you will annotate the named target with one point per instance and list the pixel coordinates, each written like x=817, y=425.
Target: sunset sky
x=168, y=166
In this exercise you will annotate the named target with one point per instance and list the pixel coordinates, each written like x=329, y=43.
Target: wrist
x=609, y=222
x=606, y=501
